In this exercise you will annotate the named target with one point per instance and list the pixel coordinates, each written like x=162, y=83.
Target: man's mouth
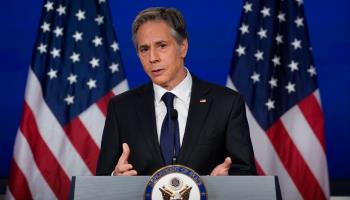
x=157, y=72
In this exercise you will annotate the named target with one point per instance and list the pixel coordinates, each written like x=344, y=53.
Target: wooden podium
x=218, y=187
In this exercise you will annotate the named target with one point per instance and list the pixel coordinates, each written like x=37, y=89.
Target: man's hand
x=123, y=168
x=222, y=169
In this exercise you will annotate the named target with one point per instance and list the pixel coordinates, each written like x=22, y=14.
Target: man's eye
x=143, y=50
x=163, y=45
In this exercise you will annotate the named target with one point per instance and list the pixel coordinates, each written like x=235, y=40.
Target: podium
x=218, y=187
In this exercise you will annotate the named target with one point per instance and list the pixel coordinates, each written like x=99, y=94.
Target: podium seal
x=175, y=182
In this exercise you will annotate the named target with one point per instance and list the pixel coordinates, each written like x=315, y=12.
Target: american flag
x=75, y=69
x=273, y=69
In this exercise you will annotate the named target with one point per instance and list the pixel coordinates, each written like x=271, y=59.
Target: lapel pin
x=203, y=101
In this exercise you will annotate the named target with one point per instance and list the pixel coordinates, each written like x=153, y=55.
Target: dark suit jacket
x=215, y=129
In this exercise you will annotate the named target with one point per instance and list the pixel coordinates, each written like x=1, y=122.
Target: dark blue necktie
x=170, y=137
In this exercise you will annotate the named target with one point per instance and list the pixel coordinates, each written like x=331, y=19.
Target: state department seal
x=175, y=182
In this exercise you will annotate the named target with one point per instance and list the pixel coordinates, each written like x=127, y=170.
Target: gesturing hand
x=123, y=168
x=223, y=168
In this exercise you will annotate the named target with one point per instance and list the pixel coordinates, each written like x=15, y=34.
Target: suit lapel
x=146, y=114
x=199, y=106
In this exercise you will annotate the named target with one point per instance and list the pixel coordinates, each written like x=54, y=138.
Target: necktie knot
x=168, y=99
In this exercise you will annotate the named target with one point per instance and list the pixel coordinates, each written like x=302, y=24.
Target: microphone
x=174, y=117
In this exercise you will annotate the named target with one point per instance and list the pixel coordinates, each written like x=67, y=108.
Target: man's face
x=161, y=56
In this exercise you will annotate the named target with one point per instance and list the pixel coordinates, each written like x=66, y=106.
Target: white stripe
x=308, y=145
x=8, y=194
x=121, y=87
x=230, y=84
x=318, y=97
x=267, y=157
x=23, y=156
x=93, y=120
x=269, y=160
x=52, y=132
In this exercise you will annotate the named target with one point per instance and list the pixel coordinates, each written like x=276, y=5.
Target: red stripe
x=294, y=163
x=51, y=170
x=18, y=184
x=83, y=143
x=312, y=111
x=103, y=102
x=259, y=169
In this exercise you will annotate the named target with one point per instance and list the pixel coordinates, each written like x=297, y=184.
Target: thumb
x=125, y=155
x=227, y=162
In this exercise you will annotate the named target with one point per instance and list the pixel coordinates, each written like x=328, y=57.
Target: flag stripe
x=46, y=162
x=20, y=189
x=103, y=102
x=294, y=162
x=51, y=131
x=23, y=156
x=313, y=113
x=93, y=120
x=83, y=143
x=268, y=159
x=295, y=123
x=259, y=169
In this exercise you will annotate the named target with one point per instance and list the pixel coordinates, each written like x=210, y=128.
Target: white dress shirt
x=182, y=99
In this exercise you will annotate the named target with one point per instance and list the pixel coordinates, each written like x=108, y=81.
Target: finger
x=125, y=155
x=129, y=173
x=227, y=163
x=121, y=168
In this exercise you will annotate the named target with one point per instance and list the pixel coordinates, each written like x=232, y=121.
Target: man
x=176, y=119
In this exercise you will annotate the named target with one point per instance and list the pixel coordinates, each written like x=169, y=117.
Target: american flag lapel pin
x=203, y=101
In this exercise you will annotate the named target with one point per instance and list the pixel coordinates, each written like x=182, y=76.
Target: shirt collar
x=181, y=91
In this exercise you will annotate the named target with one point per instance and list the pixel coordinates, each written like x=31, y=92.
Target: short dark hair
x=171, y=16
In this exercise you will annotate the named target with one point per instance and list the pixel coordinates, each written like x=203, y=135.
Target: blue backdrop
x=212, y=29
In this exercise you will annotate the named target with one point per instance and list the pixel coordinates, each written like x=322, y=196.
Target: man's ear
x=183, y=48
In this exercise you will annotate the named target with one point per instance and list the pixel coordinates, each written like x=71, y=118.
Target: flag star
x=115, y=46
x=61, y=10
x=290, y=87
x=78, y=36
x=312, y=71
x=97, y=41
x=281, y=17
x=101, y=1
x=299, y=2
x=72, y=78
x=240, y=50
x=279, y=38
x=75, y=57
x=114, y=67
x=94, y=62
x=273, y=82
x=276, y=61
x=58, y=31
x=296, y=44
x=244, y=29
x=99, y=20
x=262, y=33
x=270, y=104
x=48, y=6
x=80, y=15
x=259, y=55
x=255, y=77
x=69, y=99
x=52, y=73
x=42, y=48
x=299, y=21
x=293, y=66
x=55, y=52
x=45, y=27
x=247, y=7
x=265, y=11
x=91, y=83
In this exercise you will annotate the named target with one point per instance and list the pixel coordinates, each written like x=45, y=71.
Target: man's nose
x=153, y=55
